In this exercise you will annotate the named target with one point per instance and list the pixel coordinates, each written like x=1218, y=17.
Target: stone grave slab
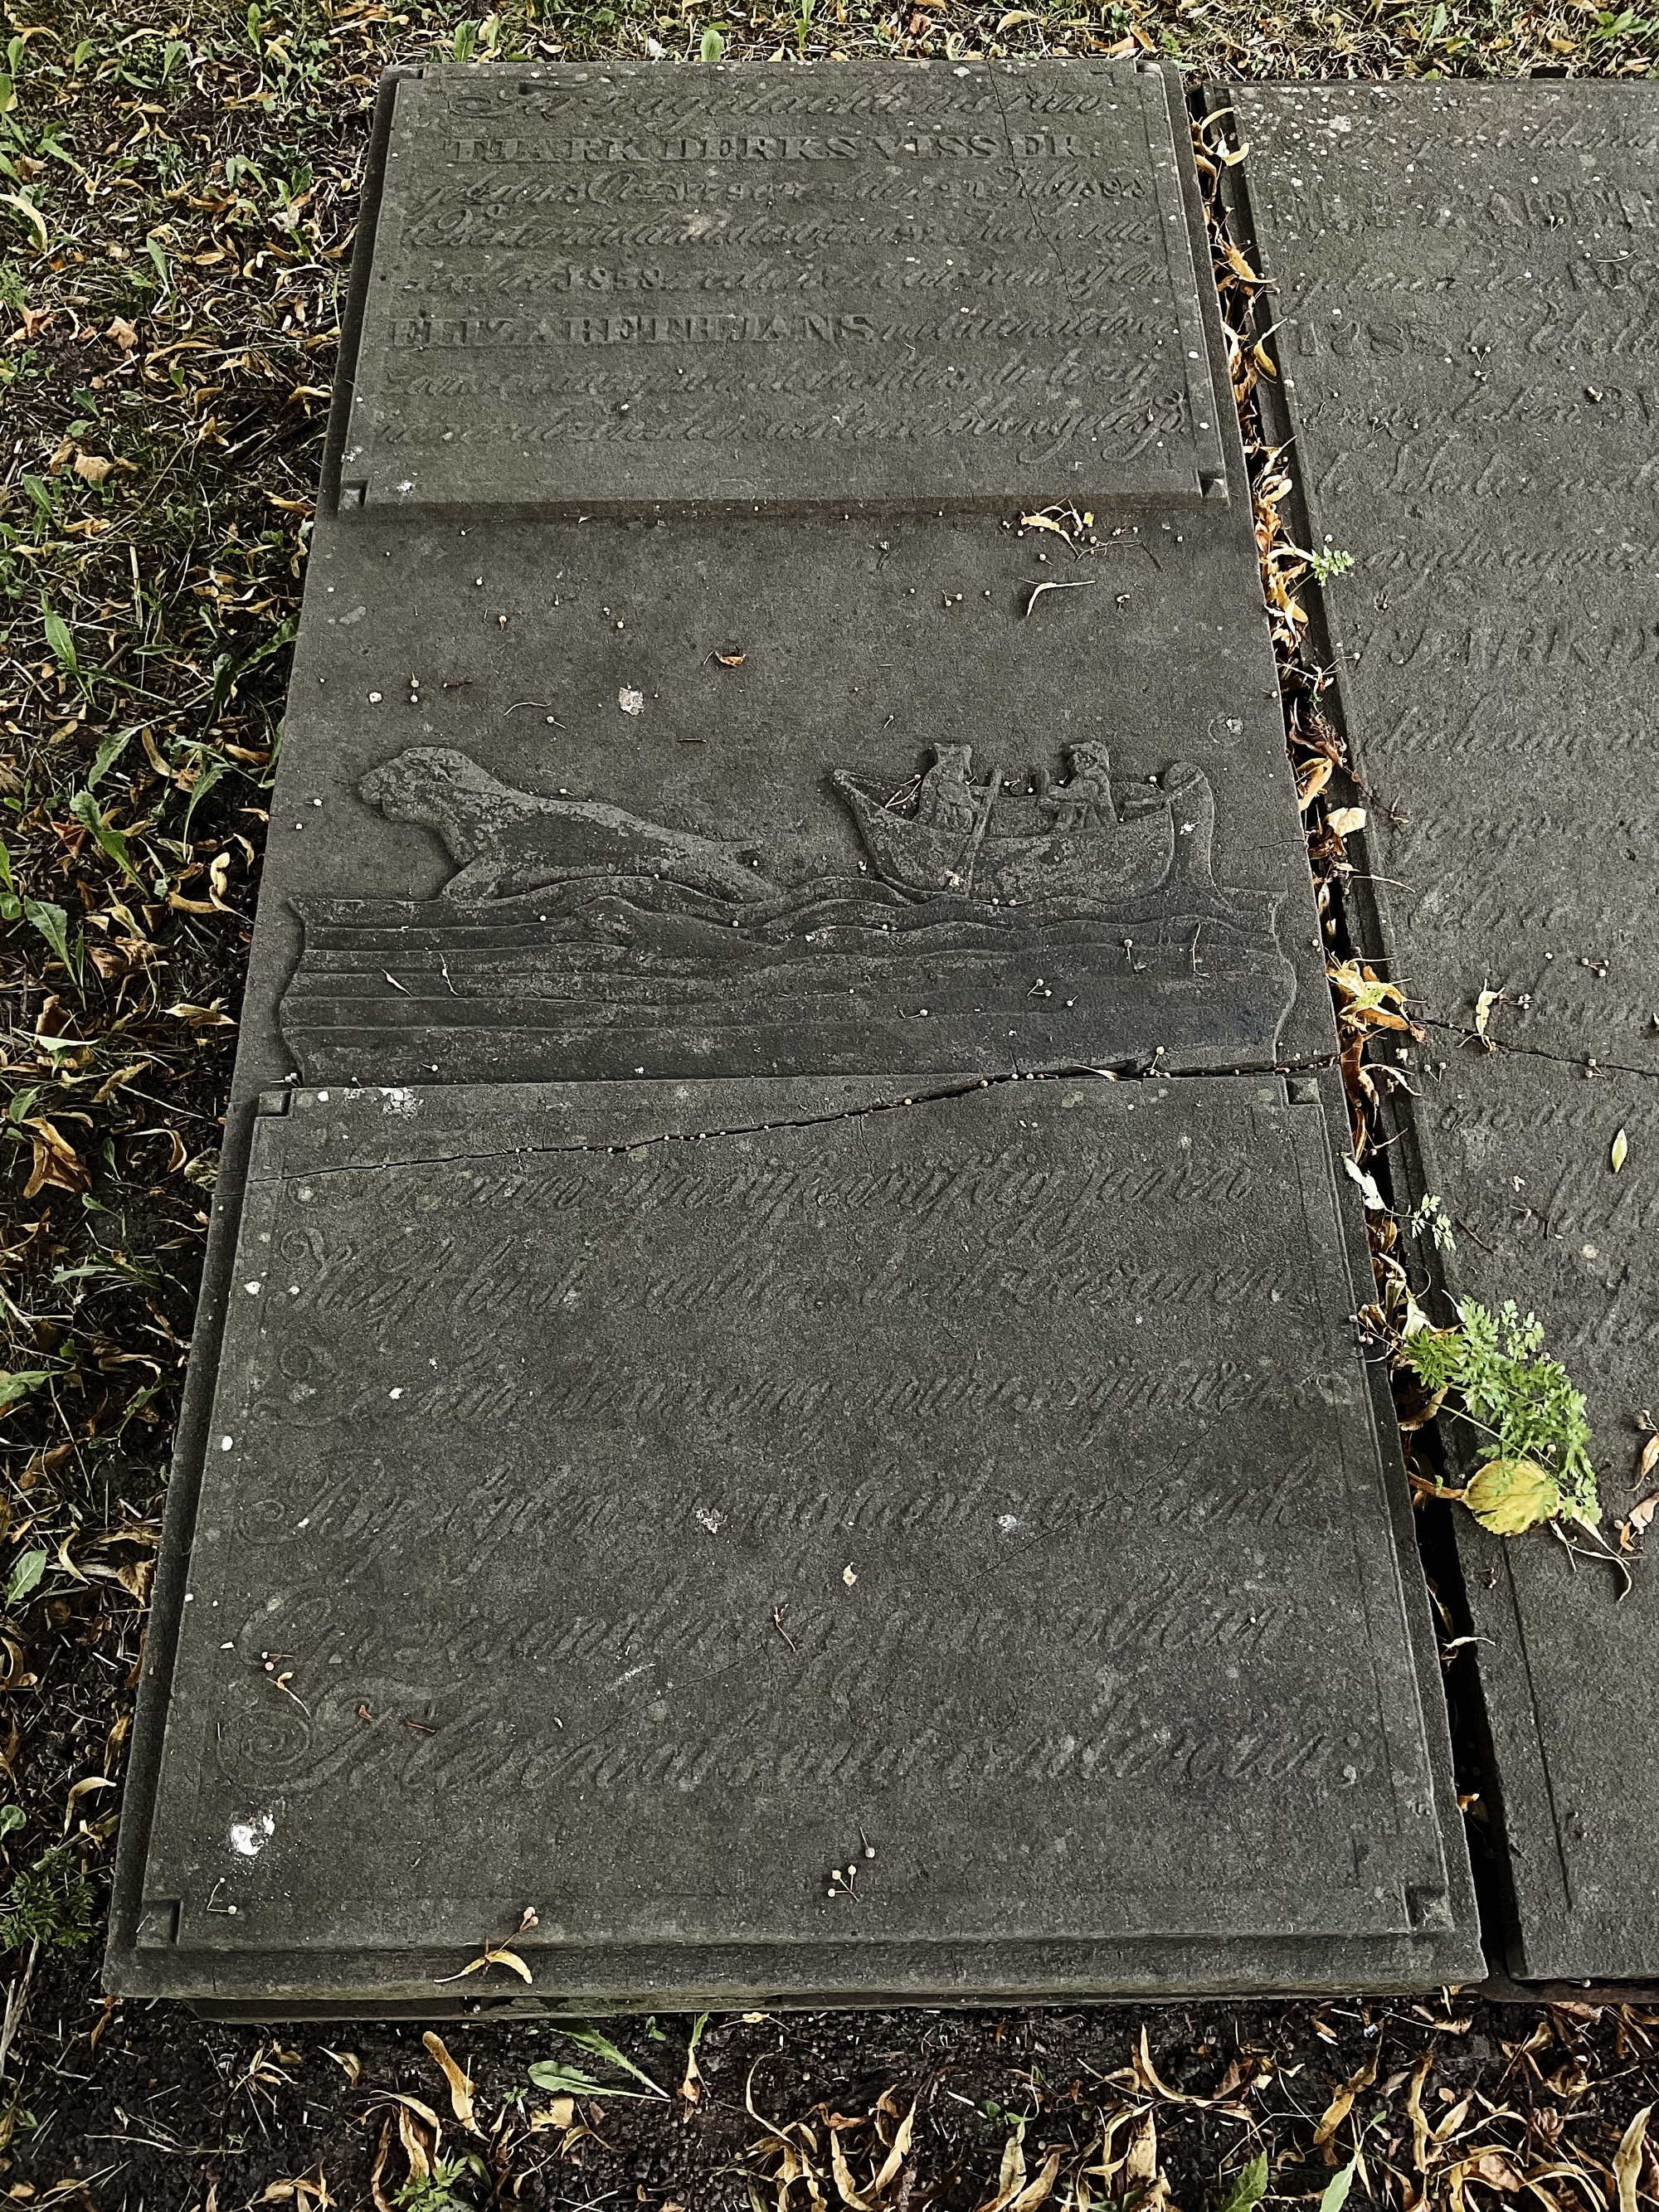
x=1464, y=276
x=636, y=855
x=628, y=287
x=690, y=1488
x=1519, y=1147
x=830, y=858
x=979, y=822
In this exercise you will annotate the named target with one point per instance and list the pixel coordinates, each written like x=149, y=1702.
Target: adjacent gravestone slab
x=631, y=288
x=1520, y=1149
x=1463, y=276
x=635, y=1502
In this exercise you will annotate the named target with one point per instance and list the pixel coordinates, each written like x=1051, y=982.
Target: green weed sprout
x=1534, y=1458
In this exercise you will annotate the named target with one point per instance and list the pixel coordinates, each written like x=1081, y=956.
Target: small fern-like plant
x=51, y=1902
x=1535, y=1453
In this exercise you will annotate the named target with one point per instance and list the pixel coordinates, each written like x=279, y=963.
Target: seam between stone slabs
x=801, y=1122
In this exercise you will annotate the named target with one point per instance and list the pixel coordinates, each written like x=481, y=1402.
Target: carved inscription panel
x=691, y=1480
x=616, y=289
x=1466, y=279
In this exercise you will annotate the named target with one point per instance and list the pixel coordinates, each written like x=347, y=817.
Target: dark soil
x=165, y=2110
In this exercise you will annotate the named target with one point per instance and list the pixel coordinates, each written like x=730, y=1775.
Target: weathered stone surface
x=631, y=288
x=421, y=920
x=1465, y=280
x=531, y=765
x=632, y=1455
x=631, y=1500
x=1465, y=308
x=1521, y=1147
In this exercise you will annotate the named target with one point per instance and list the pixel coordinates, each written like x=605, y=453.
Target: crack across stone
x=965, y=1090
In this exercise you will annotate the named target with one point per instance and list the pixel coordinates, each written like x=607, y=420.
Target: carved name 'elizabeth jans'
x=1080, y=917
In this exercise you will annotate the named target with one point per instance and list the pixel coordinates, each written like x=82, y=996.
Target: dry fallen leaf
x=1508, y=1495
x=1341, y=2102
x=1619, y=1152
x=57, y=1162
x=92, y=468
x=1309, y=786
x=299, y=2191
x=1495, y=2170
x=1483, y=1006
x=1627, y=2166
x=1345, y=820
x=461, y=2085
x=492, y=1955
x=122, y=333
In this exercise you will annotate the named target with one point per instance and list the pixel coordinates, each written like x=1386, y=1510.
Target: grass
x=178, y=189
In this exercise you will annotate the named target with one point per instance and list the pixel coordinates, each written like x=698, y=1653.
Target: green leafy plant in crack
x=435, y=2189
x=51, y=1902
x=1535, y=1456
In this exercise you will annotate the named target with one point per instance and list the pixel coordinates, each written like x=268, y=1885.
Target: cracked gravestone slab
x=661, y=1505
x=1519, y=1149
x=1465, y=273
x=610, y=288
x=531, y=825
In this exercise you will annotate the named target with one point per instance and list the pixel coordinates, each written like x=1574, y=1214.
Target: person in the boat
x=947, y=799
x=1084, y=800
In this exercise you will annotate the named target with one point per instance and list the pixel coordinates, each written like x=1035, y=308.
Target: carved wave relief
x=996, y=922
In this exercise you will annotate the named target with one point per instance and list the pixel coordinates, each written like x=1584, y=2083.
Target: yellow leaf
x=1342, y=2103
x=1310, y=786
x=1345, y=820
x=1508, y=1495
x=1483, y=1006
x=1627, y=2166
x=494, y=1955
x=1619, y=1153
x=56, y=1160
x=460, y=2086
x=27, y=208
x=1036, y=2190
